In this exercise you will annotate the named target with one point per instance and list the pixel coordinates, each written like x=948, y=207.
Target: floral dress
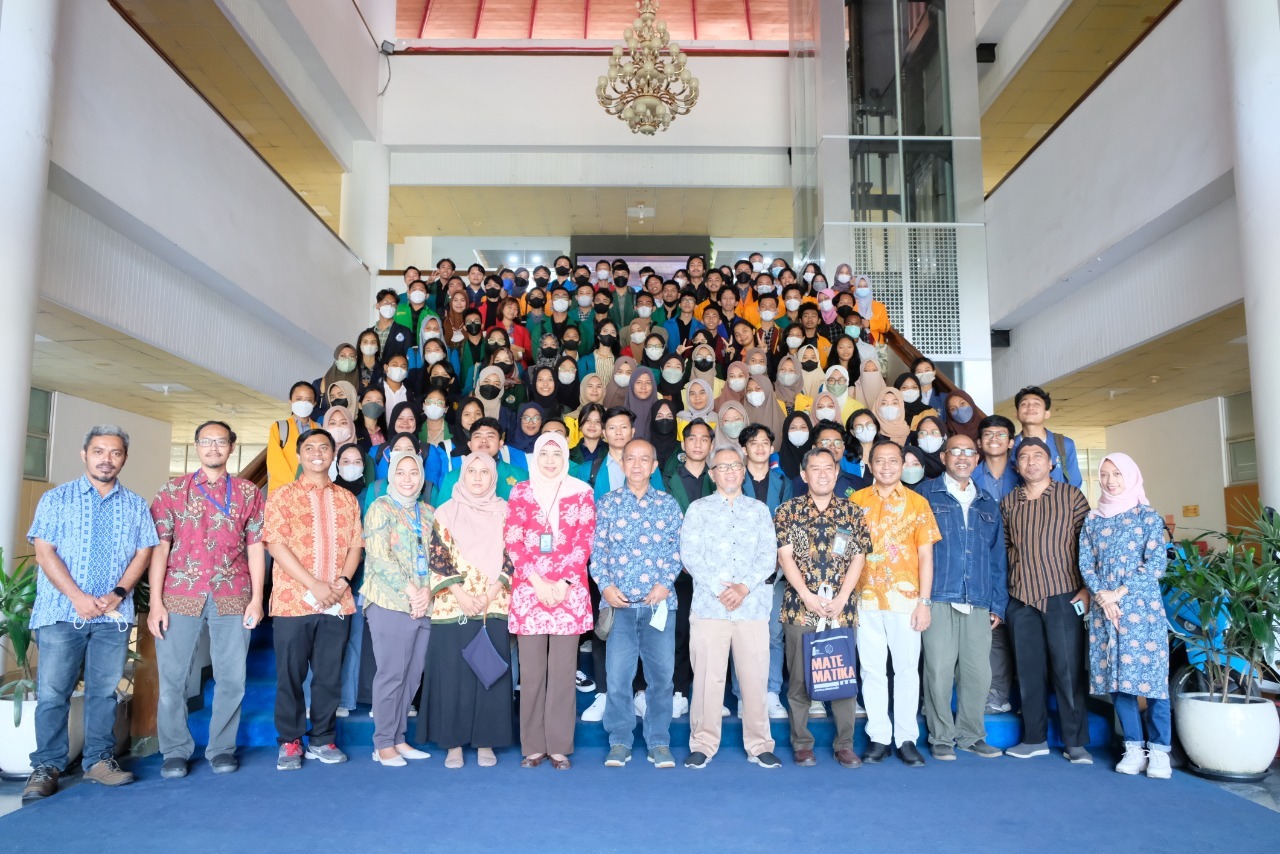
x=568, y=560
x=1127, y=549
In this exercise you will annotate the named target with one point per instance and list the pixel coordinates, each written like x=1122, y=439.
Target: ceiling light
x=647, y=90
x=166, y=388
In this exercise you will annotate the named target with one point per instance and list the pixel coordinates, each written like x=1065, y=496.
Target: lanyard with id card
x=547, y=539
x=840, y=545
x=422, y=547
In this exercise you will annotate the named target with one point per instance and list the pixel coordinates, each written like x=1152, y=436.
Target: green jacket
x=508, y=477
x=675, y=483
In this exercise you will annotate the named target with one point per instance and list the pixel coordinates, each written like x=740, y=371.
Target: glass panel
x=35, y=461
x=876, y=191
x=930, y=181
x=1243, y=457
x=248, y=453
x=38, y=411
x=926, y=101
x=873, y=69
x=1240, y=415
x=178, y=459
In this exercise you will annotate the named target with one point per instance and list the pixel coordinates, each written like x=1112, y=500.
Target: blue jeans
x=101, y=648
x=632, y=637
x=350, y=662
x=1156, y=718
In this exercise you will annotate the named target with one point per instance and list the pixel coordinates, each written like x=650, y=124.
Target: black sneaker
x=173, y=767
x=224, y=763
x=584, y=684
x=697, y=759
x=765, y=760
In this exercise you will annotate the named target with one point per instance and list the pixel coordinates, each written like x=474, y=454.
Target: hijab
x=933, y=465
x=898, y=428
x=912, y=409
x=349, y=392
x=811, y=380
x=550, y=403
x=568, y=394
x=355, y=487
x=814, y=407
x=474, y=522
x=768, y=413
x=787, y=393
x=405, y=501
x=746, y=360
x=789, y=456
x=969, y=429
x=492, y=408
x=707, y=351
x=727, y=394
x=660, y=334
x=869, y=385
x=398, y=410
x=706, y=413
x=614, y=394
x=1113, y=505
x=461, y=443
x=549, y=491
x=664, y=443
x=333, y=375
x=582, y=394
x=669, y=390
x=833, y=372
x=516, y=437
x=828, y=317
x=642, y=408
x=863, y=304
x=329, y=419
x=722, y=439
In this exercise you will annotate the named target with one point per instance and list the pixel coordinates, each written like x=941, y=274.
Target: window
x=1089, y=459
x=1242, y=461
x=35, y=464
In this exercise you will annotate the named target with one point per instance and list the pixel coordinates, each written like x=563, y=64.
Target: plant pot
x=17, y=744
x=1235, y=740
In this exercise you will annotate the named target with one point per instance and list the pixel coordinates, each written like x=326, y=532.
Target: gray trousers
x=400, y=650
x=1002, y=666
x=957, y=652
x=228, y=647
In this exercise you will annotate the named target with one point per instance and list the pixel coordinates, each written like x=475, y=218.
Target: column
x=28, y=33
x=1253, y=57
x=366, y=201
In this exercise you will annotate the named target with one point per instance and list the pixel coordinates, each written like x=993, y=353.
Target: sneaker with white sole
x=584, y=684
x=817, y=710
x=1027, y=751
x=777, y=711
x=342, y=713
x=595, y=712
x=679, y=705
x=1077, y=756
x=765, y=760
x=1158, y=767
x=329, y=753
x=619, y=755
x=640, y=704
x=724, y=712
x=585, y=646
x=290, y=756
x=1134, y=760
x=661, y=757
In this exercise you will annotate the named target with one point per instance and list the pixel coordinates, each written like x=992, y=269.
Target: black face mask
x=582, y=280
x=620, y=281
x=664, y=426
x=602, y=308
x=743, y=278
x=490, y=392
x=441, y=383
x=338, y=401
x=505, y=367
x=473, y=326
x=608, y=340
x=537, y=302
x=809, y=365
x=549, y=352
x=522, y=281
x=571, y=345
x=372, y=409
x=845, y=311
x=541, y=281
x=492, y=293
x=703, y=364
x=562, y=270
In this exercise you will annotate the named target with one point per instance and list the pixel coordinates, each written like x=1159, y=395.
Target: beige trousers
x=710, y=642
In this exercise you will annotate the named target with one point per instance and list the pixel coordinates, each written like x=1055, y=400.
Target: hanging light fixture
x=650, y=86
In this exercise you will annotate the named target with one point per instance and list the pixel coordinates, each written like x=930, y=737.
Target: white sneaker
x=1134, y=760
x=777, y=712
x=640, y=704
x=679, y=705
x=413, y=711
x=1158, y=765
x=595, y=712
x=585, y=646
x=341, y=712
x=724, y=712
x=817, y=710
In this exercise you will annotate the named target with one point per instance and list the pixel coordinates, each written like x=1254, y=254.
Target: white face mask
x=767, y=315
x=397, y=374
x=825, y=305
x=457, y=335
x=843, y=278
x=787, y=377
x=755, y=398
x=585, y=300
x=889, y=413
x=351, y=472
x=910, y=395
x=737, y=383
x=792, y=304
x=387, y=311
x=561, y=305
x=764, y=289
x=912, y=474
x=757, y=266
x=926, y=377
x=798, y=437
x=567, y=377
x=653, y=352
x=682, y=282
x=302, y=408
x=644, y=311
x=341, y=435
x=756, y=370
x=432, y=335
x=433, y=411
x=623, y=380
x=733, y=429
x=638, y=337
x=826, y=414
x=808, y=277
x=369, y=349
x=794, y=343
x=862, y=293
x=865, y=433
x=930, y=443
x=672, y=375
x=602, y=275
x=417, y=297
x=434, y=358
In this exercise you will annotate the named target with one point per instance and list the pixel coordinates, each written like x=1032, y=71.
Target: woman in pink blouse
x=548, y=532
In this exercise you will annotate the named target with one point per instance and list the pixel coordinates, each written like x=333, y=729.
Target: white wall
x=147, y=468
x=1182, y=457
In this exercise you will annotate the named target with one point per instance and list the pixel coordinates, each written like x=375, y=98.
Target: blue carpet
x=968, y=805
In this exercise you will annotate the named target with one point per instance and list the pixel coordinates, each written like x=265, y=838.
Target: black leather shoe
x=224, y=763
x=910, y=756
x=876, y=752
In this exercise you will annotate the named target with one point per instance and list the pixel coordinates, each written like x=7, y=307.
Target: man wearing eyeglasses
x=969, y=597
x=728, y=546
x=829, y=436
x=997, y=477
x=207, y=571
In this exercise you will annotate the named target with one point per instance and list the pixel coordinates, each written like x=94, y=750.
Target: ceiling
x=562, y=211
x=1080, y=48
x=200, y=41
x=687, y=20
x=80, y=357
x=1208, y=358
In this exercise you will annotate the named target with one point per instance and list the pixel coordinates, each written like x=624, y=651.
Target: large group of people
x=689, y=474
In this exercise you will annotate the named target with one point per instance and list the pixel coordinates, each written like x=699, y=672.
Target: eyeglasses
x=990, y=436
x=214, y=443
x=831, y=443
x=962, y=452
x=727, y=467
x=530, y=419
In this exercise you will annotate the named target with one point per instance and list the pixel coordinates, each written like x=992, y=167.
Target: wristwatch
x=344, y=580
x=928, y=603
x=120, y=591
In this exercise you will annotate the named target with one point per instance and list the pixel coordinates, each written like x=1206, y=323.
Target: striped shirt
x=1043, y=537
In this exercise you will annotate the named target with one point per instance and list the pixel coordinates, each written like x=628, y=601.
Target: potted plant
x=1228, y=730
x=17, y=719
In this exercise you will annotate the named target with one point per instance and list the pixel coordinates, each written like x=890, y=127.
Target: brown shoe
x=42, y=783
x=847, y=758
x=805, y=758
x=109, y=773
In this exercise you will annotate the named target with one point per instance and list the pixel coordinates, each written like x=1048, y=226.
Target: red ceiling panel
x=504, y=19
x=559, y=19
x=451, y=19
x=770, y=20
x=722, y=20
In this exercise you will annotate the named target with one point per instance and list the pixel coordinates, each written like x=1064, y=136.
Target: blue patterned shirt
x=95, y=537
x=637, y=543
x=729, y=541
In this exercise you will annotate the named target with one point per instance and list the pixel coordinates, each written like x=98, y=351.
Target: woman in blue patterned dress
x=1122, y=556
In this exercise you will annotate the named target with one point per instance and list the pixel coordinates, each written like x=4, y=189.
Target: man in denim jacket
x=969, y=597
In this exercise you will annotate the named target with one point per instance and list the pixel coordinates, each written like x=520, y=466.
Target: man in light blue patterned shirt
x=93, y=541
x=634, y=560
x=728, y=545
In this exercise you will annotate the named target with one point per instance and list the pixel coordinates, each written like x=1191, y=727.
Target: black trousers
x=682, y=680
x=600, y=672
x=1050, y=643
x=316, y=641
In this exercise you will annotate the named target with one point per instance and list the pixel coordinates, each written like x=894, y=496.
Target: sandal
x=561, y=764
x=533, y=761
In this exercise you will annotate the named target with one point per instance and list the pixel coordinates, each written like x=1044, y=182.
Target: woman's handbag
x=484, y=659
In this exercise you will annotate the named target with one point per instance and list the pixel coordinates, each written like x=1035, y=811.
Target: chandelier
x=646, y=89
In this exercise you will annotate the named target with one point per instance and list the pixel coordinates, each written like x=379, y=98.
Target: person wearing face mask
x=811, y=374
x=435, y=437
x=788, y=384
x=471, y=347
x=343, y=369
x=844, y=278
x=703, y=366
x=371, y=427
x=924, y=371
x=393, y=338
x=368, y=364
x=341, y=394
x=655, y=350
x=615, y=390
x=809, y=320
x=646, y=305
x=763, y=408
x=913, y=469
x=757, y=361
x=412, y=312
x=562, y=267
x=796, y=440
x=889, y=412
x=792, y=298
x=874, y=315
x=490, y=387
x=282, y=455
x=568, y=379
x=915, y=409
x=732, y=420
x=929, y=437
x=395, y=376
x=623, y=310
x=735, y=385
x=638, y=333
x=836, y=382
x=672, y=379
x=962, y=415
x=514, y=393
x=662, y=431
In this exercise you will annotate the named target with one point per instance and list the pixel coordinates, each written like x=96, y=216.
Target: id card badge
x=659, y=618
x=546, y=544
x=840, y=546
